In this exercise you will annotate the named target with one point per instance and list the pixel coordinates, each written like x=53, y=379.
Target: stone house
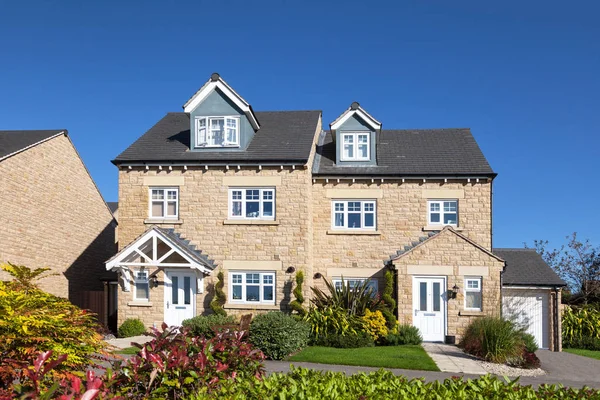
x=261, y=195
x=53, y=215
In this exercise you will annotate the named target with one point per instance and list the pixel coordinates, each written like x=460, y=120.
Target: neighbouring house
x=53, y=215
x=261, y=195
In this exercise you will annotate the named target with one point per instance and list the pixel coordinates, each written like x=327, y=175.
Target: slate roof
x=284, y=136
x=525, y=267
x=113, y=206
x=188, y=248
x=413, y=152
x=15, y=141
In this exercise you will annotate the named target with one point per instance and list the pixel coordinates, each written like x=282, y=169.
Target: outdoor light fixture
x=318, y=275
x=290, y=270
x=154, y=281
x=452, y=293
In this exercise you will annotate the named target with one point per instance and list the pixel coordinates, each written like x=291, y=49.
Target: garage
x=529, y=309
x=531, y=295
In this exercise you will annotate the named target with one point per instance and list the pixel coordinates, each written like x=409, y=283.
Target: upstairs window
x=355, y=146
x=443, y=212
x=164, y=202
x=353, y=214
x=217, y=132
x=252, y=203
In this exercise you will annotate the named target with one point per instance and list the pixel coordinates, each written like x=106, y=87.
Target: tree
x=577, y=263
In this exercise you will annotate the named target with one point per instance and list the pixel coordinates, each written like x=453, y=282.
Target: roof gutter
x=269, y=163
x=406, y=176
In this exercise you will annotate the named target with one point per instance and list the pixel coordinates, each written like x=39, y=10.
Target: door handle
x=167, y=303
x=416, y=312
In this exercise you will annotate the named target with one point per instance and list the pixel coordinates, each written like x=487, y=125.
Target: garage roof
x=525, y=267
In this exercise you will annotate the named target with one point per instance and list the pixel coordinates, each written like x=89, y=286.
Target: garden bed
x=404, y=357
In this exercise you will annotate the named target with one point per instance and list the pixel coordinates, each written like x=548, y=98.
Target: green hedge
x=316, y=385
x=278, y=335
x=202, y=325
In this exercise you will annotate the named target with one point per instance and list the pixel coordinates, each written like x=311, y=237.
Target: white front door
x=429, y=307
x=180, y=296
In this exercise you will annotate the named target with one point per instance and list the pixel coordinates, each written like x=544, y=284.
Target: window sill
x=139, y=304
x=231, y=306
x=157, y=221
x=440, y=227
x=250, y=222
x=352, y=232
x=471, y=313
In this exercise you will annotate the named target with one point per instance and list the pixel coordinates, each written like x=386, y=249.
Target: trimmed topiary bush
x=131, y=327
x=349, y=341
x=388, y=299
x=406, y=334
x=216, y=305
x=203, y=325
x=296, y=305
x=278, y=335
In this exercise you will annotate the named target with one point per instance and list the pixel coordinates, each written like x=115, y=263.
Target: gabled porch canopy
x=159, y=248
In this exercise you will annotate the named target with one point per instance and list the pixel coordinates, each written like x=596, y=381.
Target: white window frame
x=337, y=282
x=204, y=142
x=243, y=200
x=244, y=285
x=355, y=156
x=165, y=202
x=442, y=212
x=137, y=280
x=478, y=289
x=362, y=214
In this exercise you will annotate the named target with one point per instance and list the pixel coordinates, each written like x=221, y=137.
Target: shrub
x=177, y=365
x=579, y=323
x=588, y=343
x=493, y=339
x=389, y=303
x=296, y=305
x=278, y=335
x=355, y=300
x=33, y=321
x=374, y=324
x=131, y=327
x=332, y=320
x=216, y=305
x=529, y=342
x=349, y=341
x=202, y=325
x=406, y=334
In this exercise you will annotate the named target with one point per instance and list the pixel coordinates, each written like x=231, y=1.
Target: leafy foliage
x=389, y=303
x=278, y=334
x=577, y=263
x=296, y=304
x=493, y=339
x=332, y=320
x=309, y=384
x=131, y=327
x=405, y=334
x=529, y=342
x=175, y=365
x=33, y=321
x=355, y=300
x=349, y=341
x=374, y=324
x=581, y=325
x=204, y=325
x=216, y=305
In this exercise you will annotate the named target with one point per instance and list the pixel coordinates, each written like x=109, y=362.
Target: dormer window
x=217, y=132
x=355, y=146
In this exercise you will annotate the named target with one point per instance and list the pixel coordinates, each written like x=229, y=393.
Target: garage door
x=528, y=308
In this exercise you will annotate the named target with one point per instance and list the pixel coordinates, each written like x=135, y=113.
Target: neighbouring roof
x=525, y=267
x=412, y=152
x=13, y=142
x=113, y=206
x=284, y=136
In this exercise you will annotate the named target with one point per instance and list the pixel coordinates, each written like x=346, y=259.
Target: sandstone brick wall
x=401, y=217
x=450, y=250
x=53, y=216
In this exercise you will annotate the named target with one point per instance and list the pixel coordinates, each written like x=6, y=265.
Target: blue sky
x=522, y=75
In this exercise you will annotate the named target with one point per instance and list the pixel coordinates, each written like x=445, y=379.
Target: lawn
x=405, y=357
x=586, y=353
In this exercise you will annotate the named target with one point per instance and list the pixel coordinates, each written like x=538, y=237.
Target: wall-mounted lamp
x=290, y=270
x=154, y=281
x=318, y=275
x=452, y=293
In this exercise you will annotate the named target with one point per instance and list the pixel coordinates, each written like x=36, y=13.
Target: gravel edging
x=505, y=370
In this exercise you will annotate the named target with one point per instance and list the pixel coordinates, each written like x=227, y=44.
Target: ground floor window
x=473, y=293
x=354, y=282
x=252, y=287
x=142, y=286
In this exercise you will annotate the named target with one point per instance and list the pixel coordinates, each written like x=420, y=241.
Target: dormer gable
x=355, y=137
x=220, y=119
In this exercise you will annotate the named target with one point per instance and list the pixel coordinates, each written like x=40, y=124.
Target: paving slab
x=123, y=343
x=452, y=359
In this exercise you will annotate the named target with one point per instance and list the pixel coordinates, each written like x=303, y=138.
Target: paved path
x=452, y=359
x=123, y=343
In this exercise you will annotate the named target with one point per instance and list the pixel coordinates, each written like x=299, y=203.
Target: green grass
x=128, y=350
x=405, y=357
x=586, y=353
